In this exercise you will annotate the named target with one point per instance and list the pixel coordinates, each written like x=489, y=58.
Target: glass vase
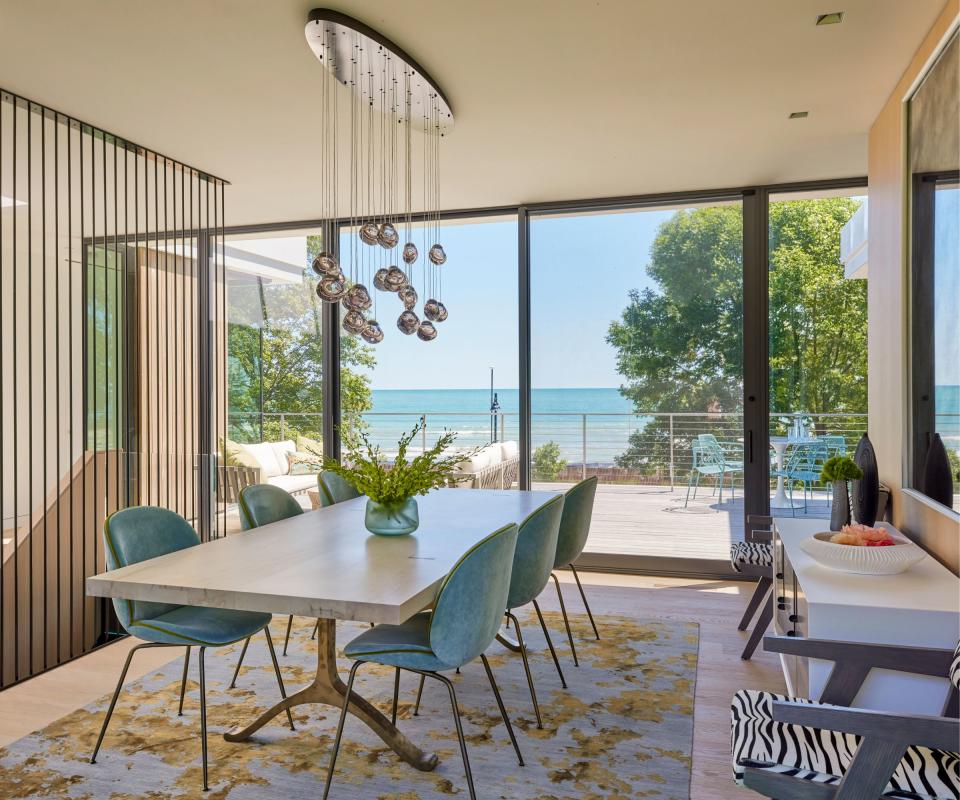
x=392, y=519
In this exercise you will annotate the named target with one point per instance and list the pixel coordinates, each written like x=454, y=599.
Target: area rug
x=622, y=730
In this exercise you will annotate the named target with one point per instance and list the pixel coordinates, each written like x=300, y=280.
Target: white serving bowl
x=889, y=560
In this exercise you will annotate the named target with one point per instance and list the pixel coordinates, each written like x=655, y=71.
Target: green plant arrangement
x=547, y=463
x=839, y=470
x=391, y=487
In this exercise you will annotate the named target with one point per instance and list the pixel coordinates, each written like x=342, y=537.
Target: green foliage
x=840, y=468
x=679, y=346
x=370, y=473
x=547, y=463
x=292, y=360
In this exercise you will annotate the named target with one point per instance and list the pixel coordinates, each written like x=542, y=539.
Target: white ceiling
x=554, y=99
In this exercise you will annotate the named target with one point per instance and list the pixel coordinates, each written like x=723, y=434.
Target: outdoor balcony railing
x=647, y=448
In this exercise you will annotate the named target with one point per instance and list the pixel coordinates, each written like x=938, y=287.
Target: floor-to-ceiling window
x=817, y=333
x=464, y=380
x=636, y=372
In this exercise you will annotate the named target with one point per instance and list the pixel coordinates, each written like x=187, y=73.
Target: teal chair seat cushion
x=211, y=627
x=406, y=645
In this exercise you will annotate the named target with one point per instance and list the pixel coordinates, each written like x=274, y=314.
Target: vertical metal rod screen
x=112, y=375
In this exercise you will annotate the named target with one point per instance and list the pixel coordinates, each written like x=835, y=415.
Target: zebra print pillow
x=955, y=667
x=824, y=756
x=759, y=553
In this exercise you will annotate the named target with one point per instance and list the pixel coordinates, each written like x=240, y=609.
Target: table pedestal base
x=328, y=688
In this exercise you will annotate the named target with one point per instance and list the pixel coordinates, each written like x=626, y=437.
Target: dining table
x=324, y=564
x=780, y=445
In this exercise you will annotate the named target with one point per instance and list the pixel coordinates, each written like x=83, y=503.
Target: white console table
x=919, y=607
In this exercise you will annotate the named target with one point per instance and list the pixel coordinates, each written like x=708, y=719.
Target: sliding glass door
x=637, y=372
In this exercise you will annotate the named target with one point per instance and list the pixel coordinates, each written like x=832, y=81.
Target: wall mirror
x=934, y=164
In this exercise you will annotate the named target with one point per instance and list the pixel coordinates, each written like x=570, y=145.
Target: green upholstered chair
x=532, y=564
x=140, y=533
x=464, y=620
x=574, y=527
x=261, y=504
x=334, y=489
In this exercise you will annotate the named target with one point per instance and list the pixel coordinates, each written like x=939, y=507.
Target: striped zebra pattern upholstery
x=823, y=756
x=759, y=553
x=955, y=668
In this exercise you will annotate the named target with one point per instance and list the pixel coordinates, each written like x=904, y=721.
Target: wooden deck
x=652, y=521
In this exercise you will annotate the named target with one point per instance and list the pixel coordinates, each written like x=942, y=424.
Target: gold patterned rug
x=622, y=730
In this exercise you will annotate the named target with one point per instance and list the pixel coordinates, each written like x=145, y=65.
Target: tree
x=679, y=348
x=547, y=463
x=290, y=335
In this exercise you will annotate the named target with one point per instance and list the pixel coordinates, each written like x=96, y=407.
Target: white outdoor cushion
x=281, y=450
x=267, y=456
x=475, y=463
x=494, y=456
x=294, y=483
x=509, y=450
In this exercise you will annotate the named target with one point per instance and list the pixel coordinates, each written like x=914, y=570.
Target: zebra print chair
x=755, y=558
x=795, y=749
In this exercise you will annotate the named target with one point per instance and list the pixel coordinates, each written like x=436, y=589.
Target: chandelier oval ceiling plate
x=332, y=37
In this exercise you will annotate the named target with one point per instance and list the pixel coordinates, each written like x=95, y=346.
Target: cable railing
x=633, y=448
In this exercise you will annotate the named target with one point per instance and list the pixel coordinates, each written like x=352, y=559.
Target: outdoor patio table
x=325, y=564
x=780, y=445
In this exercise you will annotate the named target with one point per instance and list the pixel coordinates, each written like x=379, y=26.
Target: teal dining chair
x=144, y=532
x=574, y=528
x=334, y=489
x=532, y=565
x=261, y=504
x=804, y=467
x=464, y=620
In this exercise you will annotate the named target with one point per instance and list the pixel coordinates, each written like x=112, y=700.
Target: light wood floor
x=715, y=605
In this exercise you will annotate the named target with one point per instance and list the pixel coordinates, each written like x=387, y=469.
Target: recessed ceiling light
x=833, y=18
x=799, y=115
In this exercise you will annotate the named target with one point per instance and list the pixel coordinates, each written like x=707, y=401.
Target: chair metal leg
x=276, y=669
x=526, y=669
x=586, y=605
x=566, y=620
x=339, y=736
x=203, y=717
x=686, y=502
x=503, y=710
x=546, y=634
x=116, y=694
x=456, y=719
x=236, y=671
x=763, y=622
x=316, y=627
x=183, y=680
x=396, y=695
x=286, y=639
x=763, y=586
x=416, y=707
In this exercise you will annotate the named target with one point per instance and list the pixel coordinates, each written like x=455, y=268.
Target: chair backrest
x=469, y=607
x=807, y=457
x=264, y=503
x=334, y=489
x=535, y=554
x=836, y=444
x=137, y=534
x=575, y=521
x=707, y=451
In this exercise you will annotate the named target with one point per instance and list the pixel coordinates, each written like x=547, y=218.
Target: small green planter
x=392, y=519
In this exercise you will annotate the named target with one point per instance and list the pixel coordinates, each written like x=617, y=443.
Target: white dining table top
x=325, y=563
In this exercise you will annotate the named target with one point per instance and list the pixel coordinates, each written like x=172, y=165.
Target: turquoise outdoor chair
x=836, y=445
x=261, y=504
x=464, y=621
x=140, y=533
x=804, y=467
x=715, y=459
x=532, y=565
x=334, y=489
x=574, y=529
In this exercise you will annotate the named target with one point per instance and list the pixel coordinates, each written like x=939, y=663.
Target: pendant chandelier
x=391, y=111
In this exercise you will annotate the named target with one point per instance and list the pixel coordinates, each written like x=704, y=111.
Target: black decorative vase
x=840, y=510
x=866, y=491
x=937, y=480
